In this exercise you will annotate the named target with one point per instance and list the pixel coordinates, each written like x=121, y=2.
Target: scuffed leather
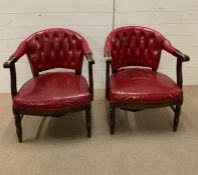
x=54, y=48
x=142, y=85
x=53, y=91
x=136, y=46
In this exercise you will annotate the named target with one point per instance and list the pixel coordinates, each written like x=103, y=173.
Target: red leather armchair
x=131, y=88
x=52, y=94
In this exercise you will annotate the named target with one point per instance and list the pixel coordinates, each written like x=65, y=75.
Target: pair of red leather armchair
x=128, y=88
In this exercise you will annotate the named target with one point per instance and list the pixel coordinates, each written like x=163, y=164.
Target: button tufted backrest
x=56, y=48
x=135, y=46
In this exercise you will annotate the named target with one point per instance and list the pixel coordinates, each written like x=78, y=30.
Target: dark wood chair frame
x=175, y=104
x=19, y=113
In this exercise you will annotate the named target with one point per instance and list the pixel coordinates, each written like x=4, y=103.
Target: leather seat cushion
x=142, y=85
x=53, y=91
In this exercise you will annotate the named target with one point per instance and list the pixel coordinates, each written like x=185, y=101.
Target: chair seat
x=142, y=86
x=53, y=91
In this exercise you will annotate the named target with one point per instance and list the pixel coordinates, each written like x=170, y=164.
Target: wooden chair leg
x=17, y=118
x=176, y=118
x=88, y=121
x=112, y=120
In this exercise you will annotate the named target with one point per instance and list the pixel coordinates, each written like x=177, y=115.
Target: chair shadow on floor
x=148, y=121
x=69, y=126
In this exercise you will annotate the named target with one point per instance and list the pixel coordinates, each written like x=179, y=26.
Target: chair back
x=55, y=48
x=135, y=46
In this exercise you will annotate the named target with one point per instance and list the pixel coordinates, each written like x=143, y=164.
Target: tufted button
x=53, y=48
x=141, y=34
x=37, y=39
x=133, y=33
x=65, y=35
x=46, y=36
x=137, y=46
x=124, y=34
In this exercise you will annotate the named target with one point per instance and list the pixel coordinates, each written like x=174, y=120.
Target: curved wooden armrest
x=181, y=55
x=90, y=58
x=175, y=52
x=107, y=54
x=109, y=60
x=180, y=58
x=20, y=51
x=10, y=62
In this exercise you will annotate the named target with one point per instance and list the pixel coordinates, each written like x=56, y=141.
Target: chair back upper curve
x=55, y=48
x=136, y=46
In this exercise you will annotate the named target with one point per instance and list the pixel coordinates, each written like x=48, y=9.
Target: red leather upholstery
x=136, y=46
x=53, y=91
x=21, y=50
x=54, y=48
x=142, y=85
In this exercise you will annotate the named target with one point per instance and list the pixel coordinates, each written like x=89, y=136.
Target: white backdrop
x=178, y=21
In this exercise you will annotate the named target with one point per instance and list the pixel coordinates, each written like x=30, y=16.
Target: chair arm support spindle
x=179, y=73
x=13, y=81
x=108, y=63
x=90, y=71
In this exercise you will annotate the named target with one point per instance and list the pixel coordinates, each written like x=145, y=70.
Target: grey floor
x=143, y=144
